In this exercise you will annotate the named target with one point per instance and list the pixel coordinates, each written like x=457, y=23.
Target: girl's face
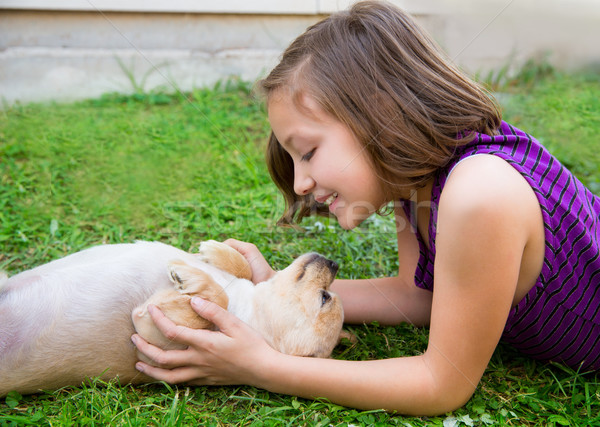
x=329, y=162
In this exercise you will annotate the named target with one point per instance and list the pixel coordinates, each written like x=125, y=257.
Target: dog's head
x=296, y=312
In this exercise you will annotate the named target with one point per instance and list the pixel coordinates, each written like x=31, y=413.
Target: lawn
x=185, y=168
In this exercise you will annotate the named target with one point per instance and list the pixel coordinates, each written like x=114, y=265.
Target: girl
x=496, y=239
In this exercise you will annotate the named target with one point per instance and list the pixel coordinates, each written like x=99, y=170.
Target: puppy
x=73, y=318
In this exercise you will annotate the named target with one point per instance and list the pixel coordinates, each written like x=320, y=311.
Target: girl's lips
x=333, y=203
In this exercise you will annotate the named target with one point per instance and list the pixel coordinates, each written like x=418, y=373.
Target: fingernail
x=150, y=308
x=134, y=339
x=139, y=367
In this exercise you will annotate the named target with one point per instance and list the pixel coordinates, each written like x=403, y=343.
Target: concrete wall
x=65, y=55
x=75, y=49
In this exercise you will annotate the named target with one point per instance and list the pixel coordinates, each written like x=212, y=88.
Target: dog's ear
x=226, y=258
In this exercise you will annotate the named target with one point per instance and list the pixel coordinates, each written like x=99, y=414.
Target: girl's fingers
x=173, y=332
x=261, y=270
x=224, y=320
x=207, y=360
x=159, y=357
x=172, y=376
x=241, y=247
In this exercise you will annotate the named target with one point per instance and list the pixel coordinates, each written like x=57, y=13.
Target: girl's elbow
x=438, y=403
x=440, y=397
x=451, y=401
x=429, y=406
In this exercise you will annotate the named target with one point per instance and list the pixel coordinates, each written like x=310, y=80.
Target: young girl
x=496, y=239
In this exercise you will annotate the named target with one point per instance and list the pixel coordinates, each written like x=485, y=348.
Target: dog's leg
x=226, y=258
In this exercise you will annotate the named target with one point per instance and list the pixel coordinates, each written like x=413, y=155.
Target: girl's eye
x=308, y=155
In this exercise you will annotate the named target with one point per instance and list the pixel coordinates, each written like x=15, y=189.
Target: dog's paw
x=225, y=258
x=210, y=251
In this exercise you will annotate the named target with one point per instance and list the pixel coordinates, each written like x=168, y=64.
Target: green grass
x=185, y=169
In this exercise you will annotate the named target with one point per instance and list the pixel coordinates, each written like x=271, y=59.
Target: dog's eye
x=325, y=297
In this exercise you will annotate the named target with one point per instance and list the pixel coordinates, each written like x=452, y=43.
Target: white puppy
x=72, y=318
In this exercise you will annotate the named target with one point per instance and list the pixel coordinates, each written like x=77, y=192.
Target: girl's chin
x=346, y=226
x=350, y=223
x=352, y=216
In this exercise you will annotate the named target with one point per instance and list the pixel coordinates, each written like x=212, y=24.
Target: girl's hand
x=261, y=270
x=232, y=356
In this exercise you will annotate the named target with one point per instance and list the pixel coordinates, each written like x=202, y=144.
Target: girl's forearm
x=388, y=300
x=405, y=385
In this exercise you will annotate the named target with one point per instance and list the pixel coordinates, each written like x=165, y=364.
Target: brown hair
x=376, y=70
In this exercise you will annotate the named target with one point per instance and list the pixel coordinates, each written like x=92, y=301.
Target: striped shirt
x=559, y=319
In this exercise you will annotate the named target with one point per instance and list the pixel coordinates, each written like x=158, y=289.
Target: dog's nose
x=322, y=261
x=332, y=265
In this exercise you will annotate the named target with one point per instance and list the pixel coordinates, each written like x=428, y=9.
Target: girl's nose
x=303, y=183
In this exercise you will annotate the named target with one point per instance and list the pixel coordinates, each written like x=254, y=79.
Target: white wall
x=70, y=49
x=485, y=34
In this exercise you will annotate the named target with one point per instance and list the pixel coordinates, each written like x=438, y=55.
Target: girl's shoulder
x=485, y=180
x=503, y=168
x=485, y=192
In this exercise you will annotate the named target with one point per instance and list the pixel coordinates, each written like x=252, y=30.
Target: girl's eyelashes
x=308, y=155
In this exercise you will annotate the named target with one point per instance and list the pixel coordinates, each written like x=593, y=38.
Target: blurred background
x=74, y=49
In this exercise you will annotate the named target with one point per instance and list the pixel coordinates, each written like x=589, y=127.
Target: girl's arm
x=389, y=300
x=239, y=355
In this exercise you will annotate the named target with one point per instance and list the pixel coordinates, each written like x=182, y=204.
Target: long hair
x=376, y=70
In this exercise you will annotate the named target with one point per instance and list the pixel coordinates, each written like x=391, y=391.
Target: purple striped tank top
x=559, y=319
